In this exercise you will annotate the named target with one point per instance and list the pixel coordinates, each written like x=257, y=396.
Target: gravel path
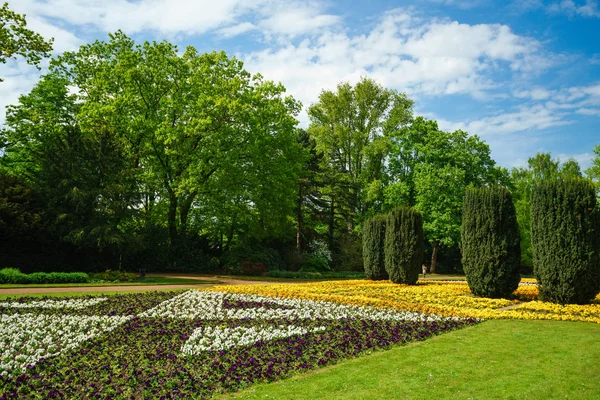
x=82, y=289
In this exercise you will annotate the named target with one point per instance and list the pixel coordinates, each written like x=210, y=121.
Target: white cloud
x=188, y=17
x=569, y=7
x=463, y=4
x=402, y=51
x=296, y=19
x=235, y=30
x=524, y=118
x=583, y=159
x=589, y=111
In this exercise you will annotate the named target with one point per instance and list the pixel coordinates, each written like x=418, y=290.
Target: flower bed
x=191, y=345
x=428, y=297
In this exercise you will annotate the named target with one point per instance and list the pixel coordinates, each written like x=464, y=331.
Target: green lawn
x=499, y=359
x=153, y=280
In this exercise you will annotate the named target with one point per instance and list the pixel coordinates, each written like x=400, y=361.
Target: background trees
x=17, y=40
x=431, y=169
x=539, y=168
x=138, y=155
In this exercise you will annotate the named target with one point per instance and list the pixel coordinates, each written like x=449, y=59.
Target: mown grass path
x=499, y=359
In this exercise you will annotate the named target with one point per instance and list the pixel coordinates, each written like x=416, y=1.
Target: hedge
x=491, y=249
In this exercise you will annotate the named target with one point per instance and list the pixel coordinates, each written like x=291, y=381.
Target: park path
x=83, y=289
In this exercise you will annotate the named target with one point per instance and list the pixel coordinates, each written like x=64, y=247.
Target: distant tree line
x=134, y=156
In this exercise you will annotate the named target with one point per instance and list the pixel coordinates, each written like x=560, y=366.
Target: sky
x=524, y=75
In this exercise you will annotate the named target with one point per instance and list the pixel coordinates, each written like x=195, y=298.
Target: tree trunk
x=331, y=224
x=434, y=253
x=300, y=220
x=172, y=218
x=184, y=211
x=231, y=232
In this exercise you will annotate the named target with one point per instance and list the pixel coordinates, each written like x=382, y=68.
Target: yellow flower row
x=441, y=298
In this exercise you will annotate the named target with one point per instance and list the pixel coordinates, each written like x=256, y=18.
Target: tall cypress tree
x=491, y=249
x=404, y=245
x=373, y=248
x=564, y=233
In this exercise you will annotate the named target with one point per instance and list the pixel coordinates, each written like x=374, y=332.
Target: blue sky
x=523, y=74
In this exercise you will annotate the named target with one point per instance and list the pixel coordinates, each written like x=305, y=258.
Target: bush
x=319, y=257
x=114, y=276
x=14, y=276
x=491, y=247
x=373, y=239
x=348, y=255
x=253, y=269
x=404, y=245
x=564, y=237
x=255, y=253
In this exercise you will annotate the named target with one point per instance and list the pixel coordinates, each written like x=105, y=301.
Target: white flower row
x=26, y=338
x=75, y=304
x=223, y=338
x=209, y=306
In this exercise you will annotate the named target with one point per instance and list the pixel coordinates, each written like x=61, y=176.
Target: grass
x=500, y=359
x=154, y=280
x=79, y=294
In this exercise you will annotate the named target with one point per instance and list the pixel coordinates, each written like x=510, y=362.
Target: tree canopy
x=17, y=40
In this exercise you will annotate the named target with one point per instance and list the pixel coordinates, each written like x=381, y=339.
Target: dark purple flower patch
x=237, y=304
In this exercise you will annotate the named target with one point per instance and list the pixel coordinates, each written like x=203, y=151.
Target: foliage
x=351, y=126
x=17, y=40
x=565, y=230
x=373, y=236
x=253, y=269
x=114, y=276
x=404, y=245
x=253, y=252
x=593, y=172
x=319, y=257
x=14, y=276
x=490, y=242
x=430, y=170
x=539, y=168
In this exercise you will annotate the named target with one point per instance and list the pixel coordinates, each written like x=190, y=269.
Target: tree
x=309, y=199
x=85, y=178
x=593, y=172
x=491, y=252
x=431, y=169
x=17, y=40
x=351, y=127
x=404, y=245
x=197, y=124
x=373, y=239
x=539, y=168
x=566, y=253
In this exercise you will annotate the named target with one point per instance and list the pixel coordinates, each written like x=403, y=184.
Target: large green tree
x=197, y=123
x=126, y=137
x=17, y=40
x=351, y=126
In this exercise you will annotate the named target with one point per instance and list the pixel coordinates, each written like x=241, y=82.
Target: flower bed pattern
x=428, y=297
x=194, y=344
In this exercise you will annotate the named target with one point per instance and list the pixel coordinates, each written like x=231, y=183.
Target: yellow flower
x=441, y=298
